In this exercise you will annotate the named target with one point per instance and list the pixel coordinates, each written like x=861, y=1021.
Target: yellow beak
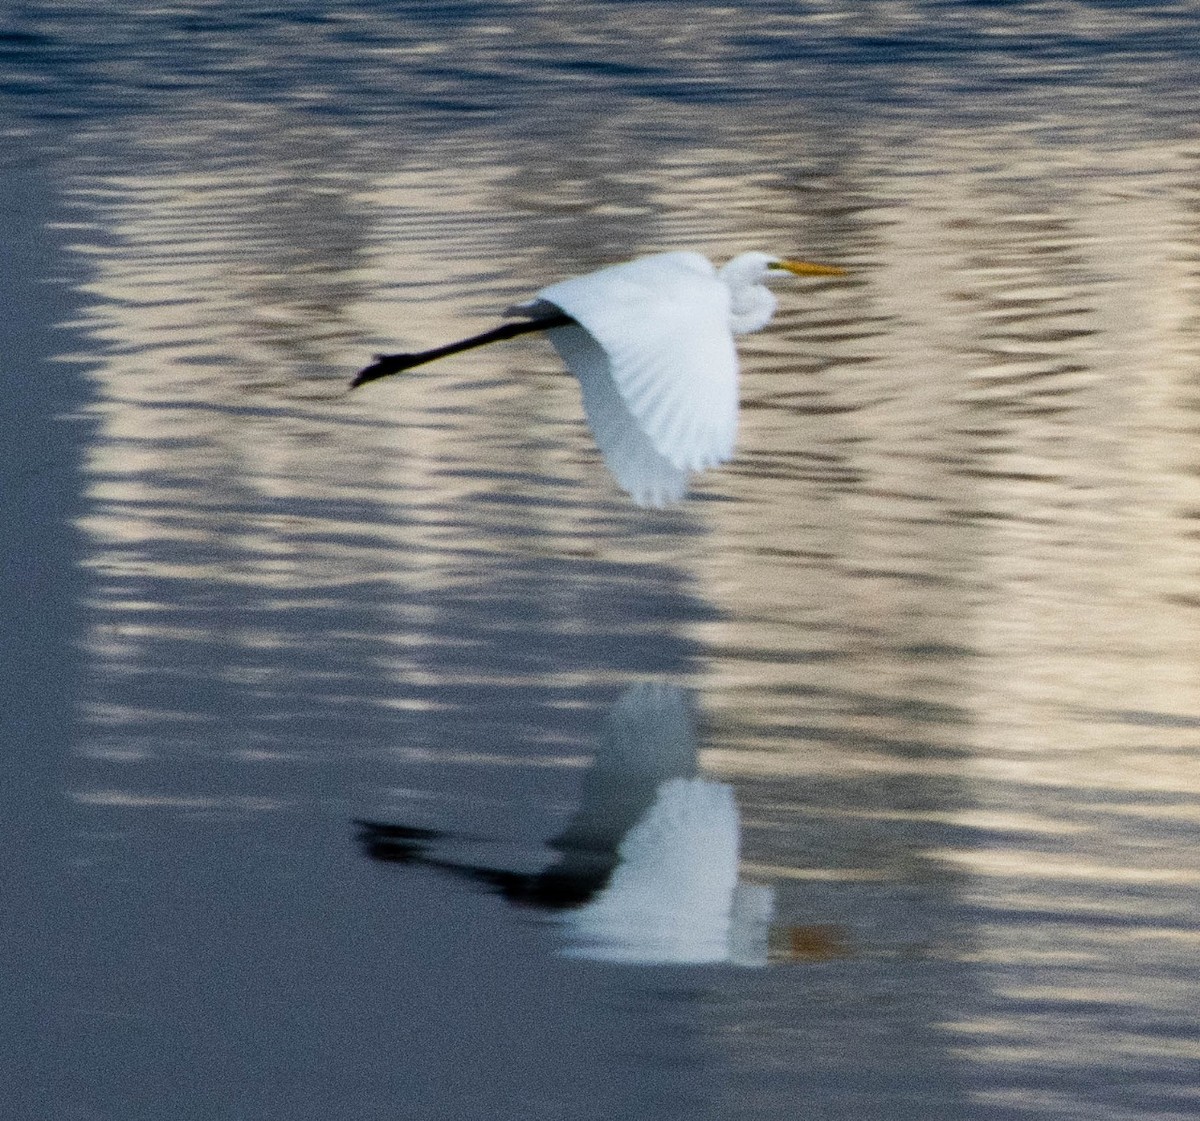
x=807, y=268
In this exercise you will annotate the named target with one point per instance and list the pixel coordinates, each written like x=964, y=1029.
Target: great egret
x=651, y=342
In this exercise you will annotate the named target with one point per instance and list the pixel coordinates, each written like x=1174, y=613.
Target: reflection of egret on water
x=647, y=868
x=651, y=342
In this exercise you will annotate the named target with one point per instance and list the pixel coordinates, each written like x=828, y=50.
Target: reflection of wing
x=670, y=899
x=663, y=322
x=649, y=736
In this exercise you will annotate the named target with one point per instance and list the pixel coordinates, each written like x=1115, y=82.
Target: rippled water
x=317, y=692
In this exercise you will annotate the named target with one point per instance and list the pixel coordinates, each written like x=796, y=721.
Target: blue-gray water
x=936, y=626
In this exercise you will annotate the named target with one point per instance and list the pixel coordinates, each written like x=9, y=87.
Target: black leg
x=387, y=364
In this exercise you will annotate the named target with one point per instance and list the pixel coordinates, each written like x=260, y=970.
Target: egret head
x=751, y=302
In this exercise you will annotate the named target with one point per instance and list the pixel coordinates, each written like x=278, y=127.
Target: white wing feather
x=663, y=324
x=649, y=477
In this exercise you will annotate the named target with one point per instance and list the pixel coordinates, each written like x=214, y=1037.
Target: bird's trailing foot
x=387, y=364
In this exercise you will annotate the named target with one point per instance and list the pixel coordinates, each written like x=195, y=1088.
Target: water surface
x=936, y=624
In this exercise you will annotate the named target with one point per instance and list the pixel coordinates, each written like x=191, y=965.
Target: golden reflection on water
x=953, y=573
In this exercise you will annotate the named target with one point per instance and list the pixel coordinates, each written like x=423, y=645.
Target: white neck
x=751, y=303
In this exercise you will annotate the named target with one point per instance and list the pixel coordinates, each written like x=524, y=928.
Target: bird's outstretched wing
x=662, y=323
x=649, y=477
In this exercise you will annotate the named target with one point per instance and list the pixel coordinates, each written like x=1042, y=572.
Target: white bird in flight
x=651, y=343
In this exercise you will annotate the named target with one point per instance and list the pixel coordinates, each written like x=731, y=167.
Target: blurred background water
x=932, y=635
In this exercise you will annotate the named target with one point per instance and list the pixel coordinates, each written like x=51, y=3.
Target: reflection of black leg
x=571, y=882
x=551, y=890
x=400, y=844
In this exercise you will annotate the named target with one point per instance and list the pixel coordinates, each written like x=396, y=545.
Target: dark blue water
x=370, y=756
